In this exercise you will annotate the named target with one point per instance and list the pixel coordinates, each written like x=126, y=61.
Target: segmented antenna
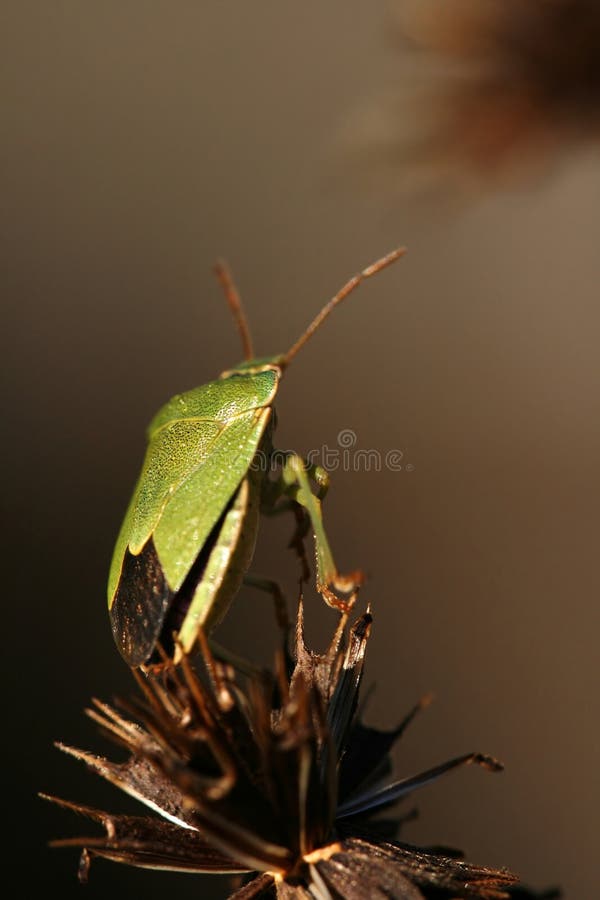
x=235, y=305
x=350, y=286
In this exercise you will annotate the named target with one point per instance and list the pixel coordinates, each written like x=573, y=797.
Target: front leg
x=294, y=485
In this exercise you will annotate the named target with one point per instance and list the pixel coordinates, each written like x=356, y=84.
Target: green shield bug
x=188, y=536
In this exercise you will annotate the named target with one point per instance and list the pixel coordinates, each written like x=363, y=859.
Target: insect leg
x=271, y=587
x=320, y=476
x=296, y=478
x=274, y=502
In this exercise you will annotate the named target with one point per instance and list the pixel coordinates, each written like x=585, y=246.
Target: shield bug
x=188, y=536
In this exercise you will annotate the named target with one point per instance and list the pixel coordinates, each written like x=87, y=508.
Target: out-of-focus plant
x=491, y=91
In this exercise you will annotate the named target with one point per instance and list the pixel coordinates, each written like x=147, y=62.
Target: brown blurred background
x=140, y=141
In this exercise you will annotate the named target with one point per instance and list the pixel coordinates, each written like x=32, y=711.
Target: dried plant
x=493, y=90
x=272, y=775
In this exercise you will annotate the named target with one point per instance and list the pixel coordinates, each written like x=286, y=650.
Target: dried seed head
x=272, y=774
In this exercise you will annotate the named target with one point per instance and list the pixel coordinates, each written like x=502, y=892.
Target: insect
x=189, y=532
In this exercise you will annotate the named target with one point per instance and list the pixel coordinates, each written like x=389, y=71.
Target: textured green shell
x=200, y=445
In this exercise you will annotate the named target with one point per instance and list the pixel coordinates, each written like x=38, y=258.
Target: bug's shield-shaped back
x=200, y=447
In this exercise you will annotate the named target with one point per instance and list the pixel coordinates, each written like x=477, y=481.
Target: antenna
x=350, y=286
x=235, y=305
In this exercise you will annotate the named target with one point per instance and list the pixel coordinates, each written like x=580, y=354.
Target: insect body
x=188, y=536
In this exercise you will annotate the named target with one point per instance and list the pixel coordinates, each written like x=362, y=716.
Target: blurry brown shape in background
x=500, y=89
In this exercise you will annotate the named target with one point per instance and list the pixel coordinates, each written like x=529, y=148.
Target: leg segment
x=295, y=485
x=271, y=587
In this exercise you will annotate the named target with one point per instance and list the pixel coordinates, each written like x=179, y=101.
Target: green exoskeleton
x=188, y=536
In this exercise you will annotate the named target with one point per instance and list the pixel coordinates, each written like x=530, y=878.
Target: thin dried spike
x=334, y=646
x=163, y=860
x=281, y=676
x=234, y=302
x=90, y=759
x=318, y=888
x=305, y=764
x=83, y=867
x=222, y=694
x=201, y=700
x=226, y=672
x=300, y=741
x=260, y=697
x=127, y=733
x=62, y=843
x=364, y=701
x=295, y=723
x=366, y=762
x=171, y=673
x=90, y=812
x=147, y=687
x=139, y=778
x=336, y=663
x=389, y=794
x=242, y=702
x=300, y=643
x=329, y=762
x=334, y=674
x=169, y=858
x=165, y=692
x=223, y=786
x=138, y=739
x=157, y=722
x=261, y=886
x=359, y=636
x=107, y=821
x=344, y=699
x=422, y=704
x=170, y=692
x=108, y=711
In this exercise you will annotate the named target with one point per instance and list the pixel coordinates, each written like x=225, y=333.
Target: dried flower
x=498, y=89
x=274, y=774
